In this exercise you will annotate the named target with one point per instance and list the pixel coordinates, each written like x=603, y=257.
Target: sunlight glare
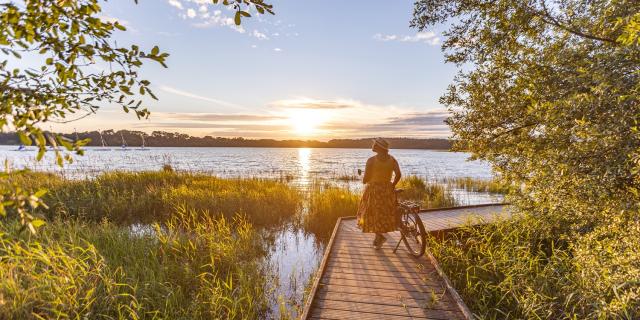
x=305, y=122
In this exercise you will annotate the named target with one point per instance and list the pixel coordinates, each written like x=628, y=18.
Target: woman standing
x=376, y=212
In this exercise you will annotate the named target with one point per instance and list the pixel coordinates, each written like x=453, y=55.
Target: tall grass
x=328, y=203
x=511, y=270
x=192, y=267
x=477, y=185
x=146, y=197
x=428, y=194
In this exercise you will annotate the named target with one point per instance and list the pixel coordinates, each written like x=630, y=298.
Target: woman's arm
x=367, y=171
x=397, y=174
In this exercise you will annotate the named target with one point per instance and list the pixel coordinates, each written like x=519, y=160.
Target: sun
x=305, y=122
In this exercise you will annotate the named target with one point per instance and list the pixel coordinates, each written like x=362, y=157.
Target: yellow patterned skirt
x=376, y=212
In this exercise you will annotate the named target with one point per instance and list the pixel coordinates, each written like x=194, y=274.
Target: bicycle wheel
x=415, y=236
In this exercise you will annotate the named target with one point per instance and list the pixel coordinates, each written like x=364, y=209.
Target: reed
x=477, y=185
x=192, y=267
x=328, y=203
x=146, y=197
x=513, y=270
x=428, y=194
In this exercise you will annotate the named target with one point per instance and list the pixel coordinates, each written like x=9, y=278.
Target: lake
x=294, y=254
x=300, y=164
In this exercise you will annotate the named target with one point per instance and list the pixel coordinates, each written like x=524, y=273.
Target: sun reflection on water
x=304, y=163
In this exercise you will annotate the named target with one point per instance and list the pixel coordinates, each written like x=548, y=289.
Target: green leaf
x=38, y=223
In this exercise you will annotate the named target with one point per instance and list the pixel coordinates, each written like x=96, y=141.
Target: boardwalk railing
x=355, y=281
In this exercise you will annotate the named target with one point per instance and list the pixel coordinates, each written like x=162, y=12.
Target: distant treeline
x=174, y=139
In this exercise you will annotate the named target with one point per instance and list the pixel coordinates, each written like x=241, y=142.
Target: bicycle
x=411, y=228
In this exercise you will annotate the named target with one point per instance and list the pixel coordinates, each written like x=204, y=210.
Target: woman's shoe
x=378, y=241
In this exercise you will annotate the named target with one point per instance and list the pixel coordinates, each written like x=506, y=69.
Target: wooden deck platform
x=356, y=281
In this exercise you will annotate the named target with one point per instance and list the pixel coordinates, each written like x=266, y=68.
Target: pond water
x=293, y=254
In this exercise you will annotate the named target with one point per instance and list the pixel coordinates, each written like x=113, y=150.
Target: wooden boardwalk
x=355, y=281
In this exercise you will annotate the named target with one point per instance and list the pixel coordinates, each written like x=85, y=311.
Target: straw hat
x=381, y=143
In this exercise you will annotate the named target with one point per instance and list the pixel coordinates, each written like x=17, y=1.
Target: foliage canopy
x=548, y=93
x=59, y=63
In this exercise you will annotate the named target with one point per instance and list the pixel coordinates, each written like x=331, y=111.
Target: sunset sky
x=317, y=70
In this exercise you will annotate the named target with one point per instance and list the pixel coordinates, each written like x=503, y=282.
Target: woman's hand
x=396, y=173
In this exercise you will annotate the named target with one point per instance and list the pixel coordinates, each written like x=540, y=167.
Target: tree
x=550, y=99
x=548, y=93
x=71, y=42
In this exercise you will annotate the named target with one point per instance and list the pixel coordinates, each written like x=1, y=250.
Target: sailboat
x=52, y=144
x=124, y=144
x=104, y=145
x=22, y=147
x=142, y=148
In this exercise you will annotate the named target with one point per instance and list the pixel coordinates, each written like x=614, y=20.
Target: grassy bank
x=146, y=197
x=192, y=267
x=514, y=270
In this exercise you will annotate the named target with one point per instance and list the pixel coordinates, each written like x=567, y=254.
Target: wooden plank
x=355, y=268
x=427, y=287
x=435, y=301
x=407, y=273
x=384, y=310
x=387, y=278
x=330, y=314
x=319, y=273
x=400, y=294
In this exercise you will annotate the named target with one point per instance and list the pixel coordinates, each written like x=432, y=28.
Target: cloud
x=223, y=117
x=259, y=35
x=416, y=124
x=204, y=16
x=199, y=97
x=277, y=49
x=425, y=118
x=176, y=3
x=310, y=103
x=428, y=37
x=231, y=128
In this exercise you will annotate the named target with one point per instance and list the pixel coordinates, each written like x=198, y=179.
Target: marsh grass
x=192, y=267
x=328, y=203
x=512, y=270
x=477, y=185
x=429, y=194
x=147, y=197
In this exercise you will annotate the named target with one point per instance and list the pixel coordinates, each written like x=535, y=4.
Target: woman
x=376, y=212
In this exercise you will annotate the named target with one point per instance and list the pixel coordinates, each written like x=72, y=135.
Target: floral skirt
x=376, y=212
